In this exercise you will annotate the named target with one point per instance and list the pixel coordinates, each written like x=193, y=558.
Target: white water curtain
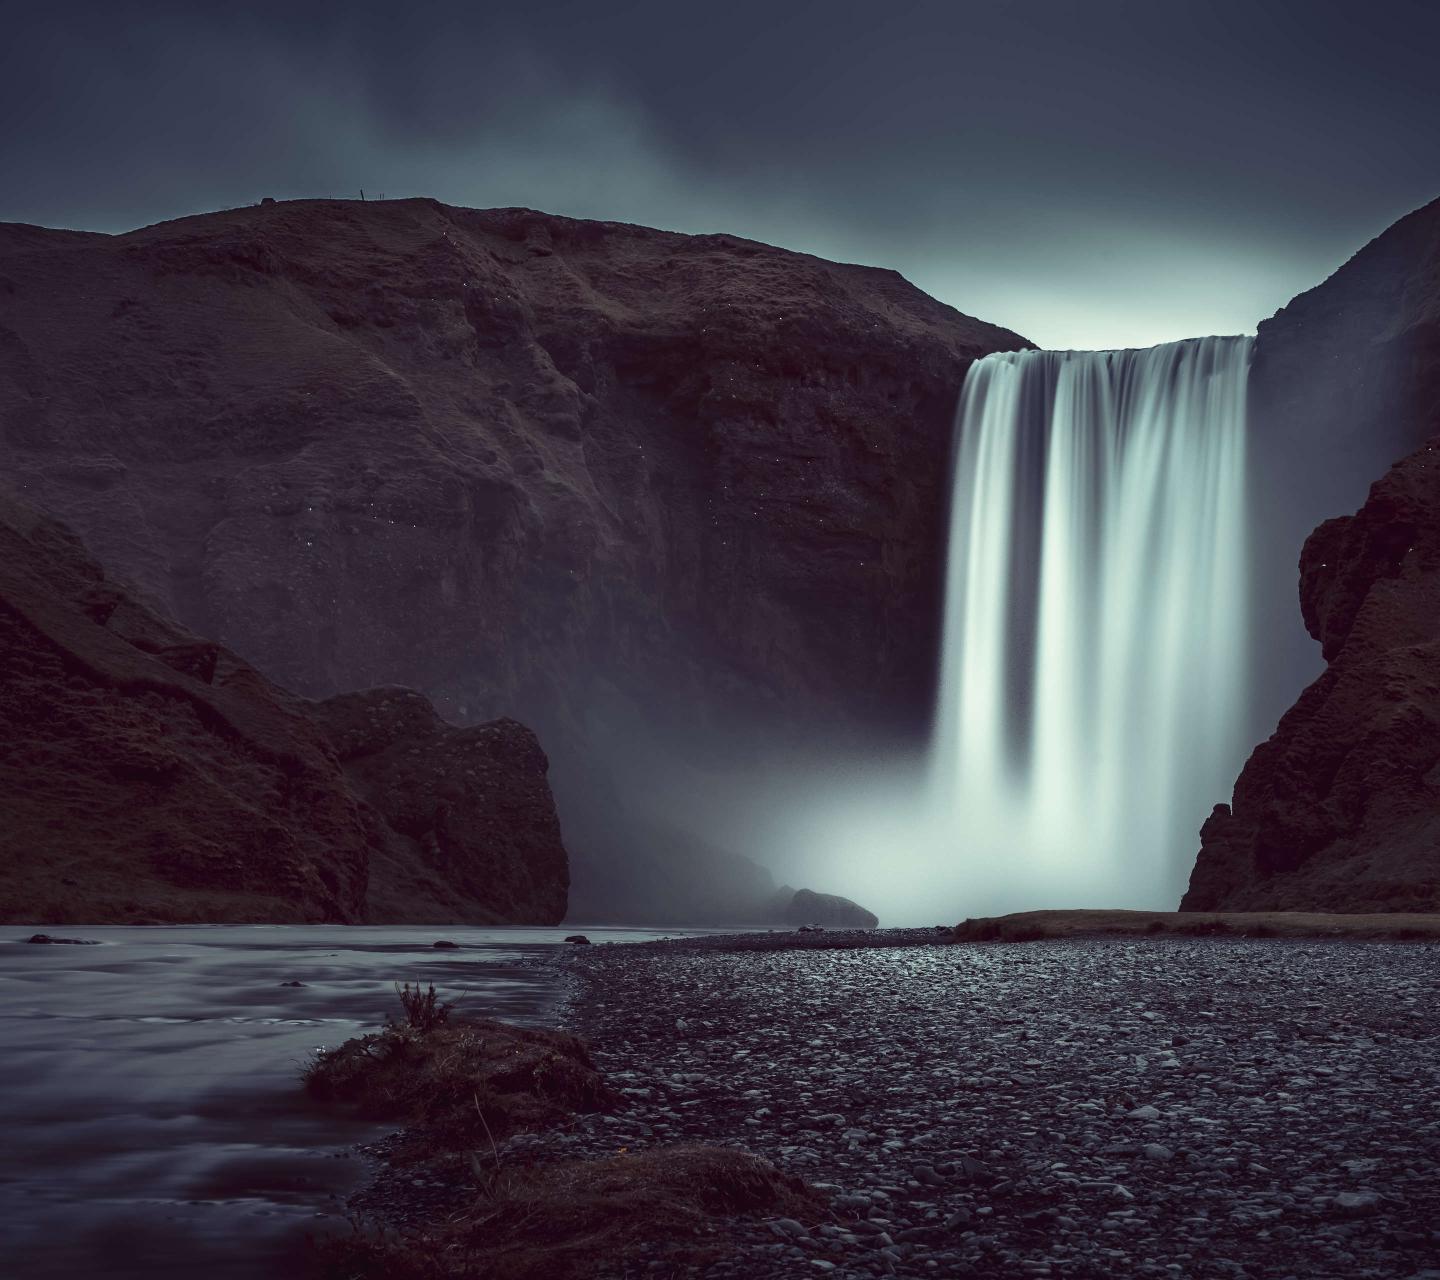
x=1095, y=650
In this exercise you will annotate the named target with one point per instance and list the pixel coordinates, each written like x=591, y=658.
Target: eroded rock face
x=1345, y=382
x=525, y=464
x=1334, y=811
x=473, y=804
x=148, y=775
x=1340, y=809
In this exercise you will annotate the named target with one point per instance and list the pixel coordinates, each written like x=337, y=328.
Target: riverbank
x=1089, y=1108
x=1030, y=926
x=153, y=1118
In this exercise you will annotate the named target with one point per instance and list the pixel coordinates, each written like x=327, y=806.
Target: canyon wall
x=1340, y=808
x=148, y=775
x=675, y=501
x=1344, y=384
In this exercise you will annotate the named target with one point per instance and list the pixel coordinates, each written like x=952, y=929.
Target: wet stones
x=974, y=1112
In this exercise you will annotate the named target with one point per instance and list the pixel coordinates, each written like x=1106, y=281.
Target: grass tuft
x=424, y=1010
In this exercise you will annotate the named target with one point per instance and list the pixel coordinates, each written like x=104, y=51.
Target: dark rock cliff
x=149, y=775
x=528, y=465
x=1344, y=383
x=473, y=804
x=1340, y=809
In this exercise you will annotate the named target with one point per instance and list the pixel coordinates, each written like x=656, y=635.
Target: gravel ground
x=1091, y=1108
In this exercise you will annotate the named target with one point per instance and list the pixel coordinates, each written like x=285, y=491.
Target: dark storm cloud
x=1089, y=174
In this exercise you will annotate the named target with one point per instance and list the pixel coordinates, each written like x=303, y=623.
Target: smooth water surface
x=153, y=1119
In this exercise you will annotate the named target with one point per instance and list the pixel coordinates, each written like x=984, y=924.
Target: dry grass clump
x=672, y=1205
x=462, y=1086
x=459, y=1084
x=424, y=1010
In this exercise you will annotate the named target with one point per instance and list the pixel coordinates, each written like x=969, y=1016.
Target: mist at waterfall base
x=1091, y=706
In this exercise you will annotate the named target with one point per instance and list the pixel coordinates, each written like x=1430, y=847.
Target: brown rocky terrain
x=1340, y=809
x=1337, y=810
x=149, y=775
x=662, y=497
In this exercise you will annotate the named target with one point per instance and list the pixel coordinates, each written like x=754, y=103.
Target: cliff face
x=1355, y=361
x=529, y=465
x=149, y=775
x=472, y=804
x=1339, y=809
x=1344, y=383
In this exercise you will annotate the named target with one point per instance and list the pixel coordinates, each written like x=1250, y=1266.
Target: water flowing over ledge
x=1095, y=651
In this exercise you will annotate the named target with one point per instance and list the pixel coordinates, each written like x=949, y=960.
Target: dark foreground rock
x=1340, y=809
x=149, y=775
x=1190, y=1107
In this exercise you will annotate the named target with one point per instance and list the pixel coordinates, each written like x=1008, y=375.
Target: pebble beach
x=1151, y=1107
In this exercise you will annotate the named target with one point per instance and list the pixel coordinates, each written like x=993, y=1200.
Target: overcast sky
x=1105, y=173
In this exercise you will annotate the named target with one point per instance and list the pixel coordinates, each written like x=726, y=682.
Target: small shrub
x=424, y=1010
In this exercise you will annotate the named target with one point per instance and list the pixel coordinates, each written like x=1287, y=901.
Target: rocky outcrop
x=473, y=805
x=529, y=465
x=149, y=775
x=1344, y=383
x=1332, y=812
x=1340, y=809
x=827, y=910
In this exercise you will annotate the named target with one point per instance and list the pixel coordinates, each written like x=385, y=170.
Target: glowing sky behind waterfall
x=1090, y=174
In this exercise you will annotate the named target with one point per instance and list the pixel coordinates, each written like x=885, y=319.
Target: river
x=152, y=1114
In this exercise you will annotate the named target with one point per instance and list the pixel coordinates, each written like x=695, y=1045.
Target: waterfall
x=1093, y=678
